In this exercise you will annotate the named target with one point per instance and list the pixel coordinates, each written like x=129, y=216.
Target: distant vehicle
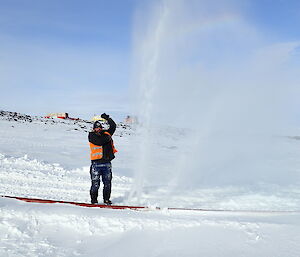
x=130, y=120
x=59, y=115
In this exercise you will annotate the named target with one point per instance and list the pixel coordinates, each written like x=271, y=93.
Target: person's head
x=97, y=126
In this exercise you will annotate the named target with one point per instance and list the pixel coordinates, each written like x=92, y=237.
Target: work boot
x=94, y=197
x=107, y=202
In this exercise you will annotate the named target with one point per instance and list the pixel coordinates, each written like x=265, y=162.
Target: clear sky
x=75, y=55
x=65, y=55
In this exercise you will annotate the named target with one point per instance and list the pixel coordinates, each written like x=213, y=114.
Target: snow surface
x=49, y=159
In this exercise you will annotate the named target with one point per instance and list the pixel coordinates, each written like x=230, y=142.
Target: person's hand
x=104, y=116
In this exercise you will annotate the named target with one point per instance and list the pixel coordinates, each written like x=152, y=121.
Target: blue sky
x=65, y=55
x=278, y=18
x=76, y=56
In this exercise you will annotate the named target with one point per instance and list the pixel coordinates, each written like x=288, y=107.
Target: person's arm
x=111, y=123
x=99, y=139
x=112, y=126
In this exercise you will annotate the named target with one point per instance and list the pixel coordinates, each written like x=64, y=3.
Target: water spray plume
x=213, y=98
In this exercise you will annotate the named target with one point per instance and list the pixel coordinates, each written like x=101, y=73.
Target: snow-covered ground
x=29, y=229
x=49, y=159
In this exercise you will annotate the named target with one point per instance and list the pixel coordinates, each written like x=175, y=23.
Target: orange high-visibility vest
x=97, y=150
x=112, y=143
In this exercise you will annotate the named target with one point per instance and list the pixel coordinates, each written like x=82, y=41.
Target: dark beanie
x=97, y=124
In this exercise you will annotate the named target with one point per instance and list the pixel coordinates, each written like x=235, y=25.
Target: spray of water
x=213, y=99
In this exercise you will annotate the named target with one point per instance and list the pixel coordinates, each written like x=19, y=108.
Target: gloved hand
x=104, y=116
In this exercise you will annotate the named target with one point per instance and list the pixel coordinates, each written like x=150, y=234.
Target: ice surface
x=30, y=229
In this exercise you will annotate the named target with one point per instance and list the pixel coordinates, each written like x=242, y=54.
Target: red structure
x=60, y=115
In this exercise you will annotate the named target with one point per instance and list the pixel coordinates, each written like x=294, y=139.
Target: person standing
x=102, y=153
